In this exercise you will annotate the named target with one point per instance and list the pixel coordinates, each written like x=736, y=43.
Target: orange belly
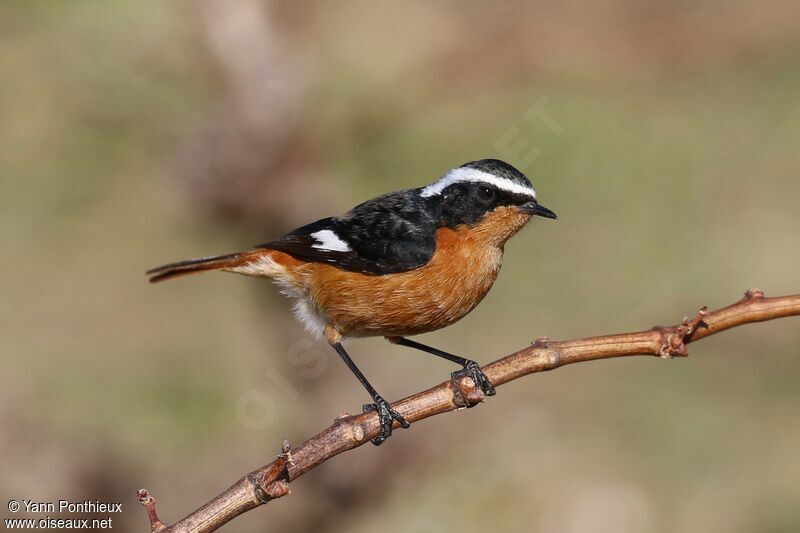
x=448, y=287
x=460, y=273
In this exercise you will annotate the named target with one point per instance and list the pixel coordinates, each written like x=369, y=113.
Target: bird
x=401, y=264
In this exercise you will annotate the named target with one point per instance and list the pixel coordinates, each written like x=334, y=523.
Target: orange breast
x=461, y=272
x=456, y=279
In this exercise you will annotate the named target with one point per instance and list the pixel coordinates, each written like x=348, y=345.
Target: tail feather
x=194, y=266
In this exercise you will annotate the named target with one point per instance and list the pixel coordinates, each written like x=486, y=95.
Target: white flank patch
x=328, y=240
x=466, y=174
x=266, y=267
x=309, y=318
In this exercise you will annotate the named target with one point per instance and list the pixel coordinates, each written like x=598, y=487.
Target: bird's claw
x=386, y=417
x=473, y=370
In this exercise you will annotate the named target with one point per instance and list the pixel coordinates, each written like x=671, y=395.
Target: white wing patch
x=328, y=240
x=465, y=174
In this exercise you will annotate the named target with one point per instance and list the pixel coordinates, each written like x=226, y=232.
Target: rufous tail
x=202, y=264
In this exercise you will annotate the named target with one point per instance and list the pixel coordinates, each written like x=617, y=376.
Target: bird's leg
x=386, y=415
x=471, y=368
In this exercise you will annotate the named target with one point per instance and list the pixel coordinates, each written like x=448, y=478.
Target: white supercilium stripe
x=328, y=240
x=466, y=174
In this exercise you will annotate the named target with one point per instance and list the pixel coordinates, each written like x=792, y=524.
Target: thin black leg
x=471, y=368
x=386, y=414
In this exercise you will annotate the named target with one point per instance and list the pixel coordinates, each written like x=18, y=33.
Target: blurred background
x=664, y=134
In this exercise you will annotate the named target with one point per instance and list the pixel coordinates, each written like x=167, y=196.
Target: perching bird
x=401, y=264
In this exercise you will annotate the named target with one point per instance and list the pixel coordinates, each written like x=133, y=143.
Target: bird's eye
x=486, y=194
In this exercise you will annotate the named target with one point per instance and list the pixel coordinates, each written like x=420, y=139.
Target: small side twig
x=348, y=432
x=156, y=525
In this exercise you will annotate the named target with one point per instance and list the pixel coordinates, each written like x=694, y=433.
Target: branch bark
x=348, y=432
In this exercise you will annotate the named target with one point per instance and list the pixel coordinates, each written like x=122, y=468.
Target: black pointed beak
x=534, y=208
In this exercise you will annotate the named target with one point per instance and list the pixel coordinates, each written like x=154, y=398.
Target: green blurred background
x=664, y=134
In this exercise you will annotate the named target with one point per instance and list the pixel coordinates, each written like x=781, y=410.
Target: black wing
x=389, y=234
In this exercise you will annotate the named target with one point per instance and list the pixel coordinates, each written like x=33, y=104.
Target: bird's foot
x=473, y=370
x=386, y=416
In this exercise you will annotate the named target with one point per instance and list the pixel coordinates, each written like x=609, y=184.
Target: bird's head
x=488, y=196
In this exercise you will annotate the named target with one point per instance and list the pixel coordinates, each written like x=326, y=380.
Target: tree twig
x=348, y=432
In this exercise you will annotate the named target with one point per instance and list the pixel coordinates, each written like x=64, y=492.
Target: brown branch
x=348, y=432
